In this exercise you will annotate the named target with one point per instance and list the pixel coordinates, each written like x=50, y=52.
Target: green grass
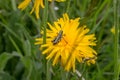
x=20, y=59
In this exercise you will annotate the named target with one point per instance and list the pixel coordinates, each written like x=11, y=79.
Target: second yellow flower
x=36, y=6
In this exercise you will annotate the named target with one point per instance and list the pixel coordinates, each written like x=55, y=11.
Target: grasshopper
x=58, y=37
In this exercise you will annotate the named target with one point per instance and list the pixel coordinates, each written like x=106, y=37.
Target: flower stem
x=116, y=45
x=48, y=70
x=45, y=17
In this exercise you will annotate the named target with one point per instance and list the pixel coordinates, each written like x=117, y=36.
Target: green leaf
x=4, y=57
x=27, y=62
x=27, y=48
x=16, y=46
x=5, y=76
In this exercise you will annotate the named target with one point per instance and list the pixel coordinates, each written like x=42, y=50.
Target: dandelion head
x=67, y=43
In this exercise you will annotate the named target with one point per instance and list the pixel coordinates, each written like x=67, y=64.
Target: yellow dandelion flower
x=67, y=43
x=36, y=7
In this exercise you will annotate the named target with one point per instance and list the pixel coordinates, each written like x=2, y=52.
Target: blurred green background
x=20, y=59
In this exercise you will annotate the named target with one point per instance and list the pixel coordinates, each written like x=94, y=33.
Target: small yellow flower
x=67, y=43
x=36, y=7
x=113, y=30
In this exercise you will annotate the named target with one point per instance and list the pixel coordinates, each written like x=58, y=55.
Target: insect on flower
x=57, y=38
x=71, y=43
